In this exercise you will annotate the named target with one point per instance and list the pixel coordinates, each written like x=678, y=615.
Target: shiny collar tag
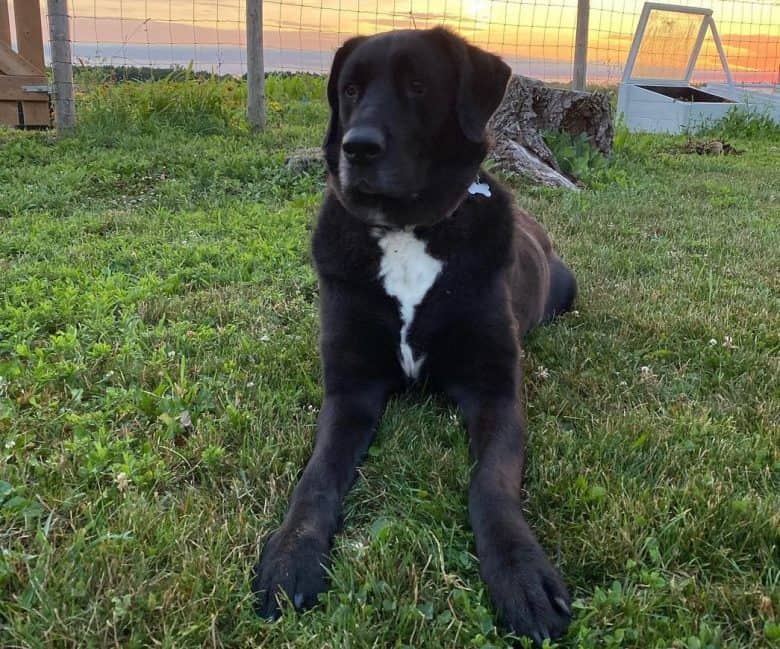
x=478, y=187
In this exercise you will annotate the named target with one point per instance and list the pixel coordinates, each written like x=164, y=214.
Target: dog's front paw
x=291, y=564
x=527, y=591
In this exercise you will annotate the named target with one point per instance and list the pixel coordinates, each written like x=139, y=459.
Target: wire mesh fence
x=535, y=36
x=749, y=30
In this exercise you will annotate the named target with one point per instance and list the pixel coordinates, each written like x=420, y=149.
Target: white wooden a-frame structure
x=706, y=22
x=656, y=94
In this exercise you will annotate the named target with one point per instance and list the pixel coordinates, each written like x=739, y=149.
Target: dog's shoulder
x=481, y=231
x=342, y=246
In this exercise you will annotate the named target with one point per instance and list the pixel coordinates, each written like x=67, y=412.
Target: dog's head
x=408, y=115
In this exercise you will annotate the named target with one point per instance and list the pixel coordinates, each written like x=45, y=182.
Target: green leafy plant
x=575, y=155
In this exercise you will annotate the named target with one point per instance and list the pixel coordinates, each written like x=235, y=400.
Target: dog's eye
x=352, y=90
x=417, y=87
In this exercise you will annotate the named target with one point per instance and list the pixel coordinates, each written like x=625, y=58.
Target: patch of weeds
x=575, y=155
x=193, y=105
x=740, y=124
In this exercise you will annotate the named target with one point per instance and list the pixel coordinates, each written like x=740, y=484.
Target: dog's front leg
x=526, y=589
x=295, y=556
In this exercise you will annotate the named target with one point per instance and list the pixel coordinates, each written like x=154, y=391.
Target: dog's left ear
x=333, y=90
x=482, y=79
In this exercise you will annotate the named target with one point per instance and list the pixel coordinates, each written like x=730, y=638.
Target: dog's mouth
x=364, y=187
x=371, y=196
x=367, y=193
x=383, y=182
x=398, y=195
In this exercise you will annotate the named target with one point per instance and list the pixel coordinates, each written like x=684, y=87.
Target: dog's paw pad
x=529, y=595
x=291, y=567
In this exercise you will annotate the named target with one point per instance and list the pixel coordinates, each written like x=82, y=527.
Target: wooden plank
x=5, y=23
x=36, y=113
x=11, y=88
x=9, y=113
x=13, y=63
x=29, y=31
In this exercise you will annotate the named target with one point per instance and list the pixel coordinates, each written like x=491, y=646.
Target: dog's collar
x=477, y=188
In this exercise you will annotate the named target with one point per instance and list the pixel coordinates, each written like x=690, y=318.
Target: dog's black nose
x=363, y=144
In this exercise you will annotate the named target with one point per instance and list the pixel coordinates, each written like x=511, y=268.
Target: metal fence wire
x=535, y=36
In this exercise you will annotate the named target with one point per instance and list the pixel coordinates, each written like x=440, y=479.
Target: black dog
x=428, y=272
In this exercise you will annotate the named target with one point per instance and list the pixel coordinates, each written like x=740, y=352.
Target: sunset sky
x=541, y=30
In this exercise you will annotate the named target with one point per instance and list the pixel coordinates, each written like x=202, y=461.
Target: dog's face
x=406, y=133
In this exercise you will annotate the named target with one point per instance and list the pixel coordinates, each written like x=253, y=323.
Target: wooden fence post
x=254, y=63
x=581, y=46
x=62, y=65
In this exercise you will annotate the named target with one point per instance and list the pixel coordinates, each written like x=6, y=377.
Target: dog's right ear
x=333, y=95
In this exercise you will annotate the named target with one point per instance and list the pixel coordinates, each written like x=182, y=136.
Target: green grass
x=157, y=263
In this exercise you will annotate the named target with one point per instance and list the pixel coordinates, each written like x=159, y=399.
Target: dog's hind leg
x=563, y=290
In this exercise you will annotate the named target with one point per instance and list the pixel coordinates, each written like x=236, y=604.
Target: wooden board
x=11, y=88
x=36, y=113
x=5, y=23
x=23, y=68
x=13, y=63
x=9, y=113
x=29, y=31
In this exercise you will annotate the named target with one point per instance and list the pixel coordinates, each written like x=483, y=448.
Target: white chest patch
x=407, y=272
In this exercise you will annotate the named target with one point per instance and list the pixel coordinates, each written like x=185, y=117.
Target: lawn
x=159, y=385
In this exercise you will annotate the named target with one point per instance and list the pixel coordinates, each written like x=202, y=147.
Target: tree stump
x=308, y=160
x=528, y=108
